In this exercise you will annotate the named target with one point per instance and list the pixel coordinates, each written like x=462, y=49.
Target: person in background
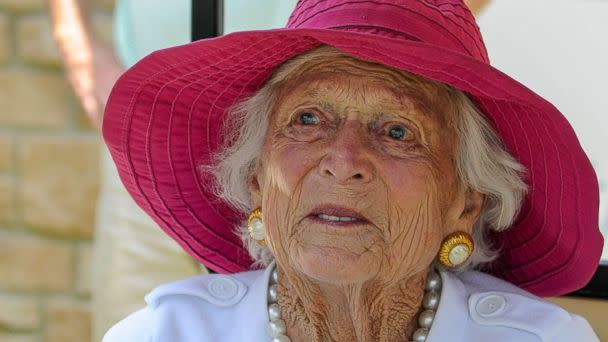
x=131, y=254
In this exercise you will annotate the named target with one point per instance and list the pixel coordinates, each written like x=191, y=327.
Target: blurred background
x=49, y=181
x=50, y=155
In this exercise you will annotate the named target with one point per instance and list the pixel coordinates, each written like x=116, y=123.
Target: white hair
x=482, y=163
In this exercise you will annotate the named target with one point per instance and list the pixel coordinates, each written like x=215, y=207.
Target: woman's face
x=357, y=178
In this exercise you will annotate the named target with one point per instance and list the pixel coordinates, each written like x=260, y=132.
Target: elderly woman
x=371, y=159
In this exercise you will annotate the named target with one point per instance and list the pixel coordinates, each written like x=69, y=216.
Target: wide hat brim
x=164, y=119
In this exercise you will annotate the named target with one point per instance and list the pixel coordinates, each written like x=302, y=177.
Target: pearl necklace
x=430, y=302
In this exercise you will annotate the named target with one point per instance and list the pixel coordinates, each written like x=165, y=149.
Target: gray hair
x=482, y=163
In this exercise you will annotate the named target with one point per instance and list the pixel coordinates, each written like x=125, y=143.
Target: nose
x=347, y=159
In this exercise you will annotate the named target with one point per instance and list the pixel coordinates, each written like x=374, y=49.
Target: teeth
x=337, y=218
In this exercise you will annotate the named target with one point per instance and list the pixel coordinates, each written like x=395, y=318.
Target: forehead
x=343, y=78
x=344, y=71
x=365, y=86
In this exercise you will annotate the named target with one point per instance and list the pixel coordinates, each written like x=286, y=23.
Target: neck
x=372, y=311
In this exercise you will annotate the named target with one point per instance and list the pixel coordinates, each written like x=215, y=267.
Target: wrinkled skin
x=345, y=132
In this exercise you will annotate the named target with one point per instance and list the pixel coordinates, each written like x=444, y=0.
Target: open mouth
x=337, y=215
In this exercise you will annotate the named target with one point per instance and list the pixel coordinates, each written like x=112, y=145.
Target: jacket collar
x=451, y=316
x=256, y=314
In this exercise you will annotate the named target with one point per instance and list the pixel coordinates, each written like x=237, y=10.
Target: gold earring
x=456, y=249
x=255, y=225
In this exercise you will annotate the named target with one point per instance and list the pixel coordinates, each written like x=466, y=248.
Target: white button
x=223, y=288
x=490, y=305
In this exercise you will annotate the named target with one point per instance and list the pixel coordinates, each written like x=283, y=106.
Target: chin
x=335, y=265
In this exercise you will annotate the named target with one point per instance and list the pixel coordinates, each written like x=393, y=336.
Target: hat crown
x=445, y=23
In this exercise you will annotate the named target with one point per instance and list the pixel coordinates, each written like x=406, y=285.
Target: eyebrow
x=315, y=95
x=326, y=106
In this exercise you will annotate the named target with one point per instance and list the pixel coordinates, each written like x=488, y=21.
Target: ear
x=255, y=191
x=470, y=211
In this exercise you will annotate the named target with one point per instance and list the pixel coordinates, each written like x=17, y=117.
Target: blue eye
x=398, y=132
x=308, y=118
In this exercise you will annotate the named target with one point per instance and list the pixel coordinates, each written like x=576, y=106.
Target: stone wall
x=48, y=182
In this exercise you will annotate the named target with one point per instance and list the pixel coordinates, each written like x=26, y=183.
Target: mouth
x=337, y=216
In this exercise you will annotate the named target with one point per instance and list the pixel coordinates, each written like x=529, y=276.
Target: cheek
x=290, y=162
x=414, y=239
x=415, y=222
x=428, y=179
x=275, y=209
x=411, y=182
x=285, y=170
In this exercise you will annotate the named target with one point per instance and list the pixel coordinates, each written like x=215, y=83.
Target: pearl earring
x=255, y=225
x=456, y=249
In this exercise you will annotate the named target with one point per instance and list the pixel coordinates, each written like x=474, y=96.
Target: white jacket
x=473, y=307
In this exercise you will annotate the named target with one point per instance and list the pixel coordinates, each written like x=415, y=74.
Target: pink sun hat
x=165, y=114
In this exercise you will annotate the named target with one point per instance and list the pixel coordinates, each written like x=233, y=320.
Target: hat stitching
x=184, y=61
x=239, y=96
x=304, y=35
x=576, y=178
x=560, y=206
x=505, y=123
x=146, y=81
x=442, y=29
x=532, y=182
x=551, y=272
x=192, y=163
x=359, y=47
x=436, y=71
x=466, y=14
x=366, y=29
x=575, y=254
x=435, y=7
x=178, y=188
x=481, y=49
x=557, y=154
x=170, y=227
x=292, y=47
x=519, y=153
x=127, y=140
